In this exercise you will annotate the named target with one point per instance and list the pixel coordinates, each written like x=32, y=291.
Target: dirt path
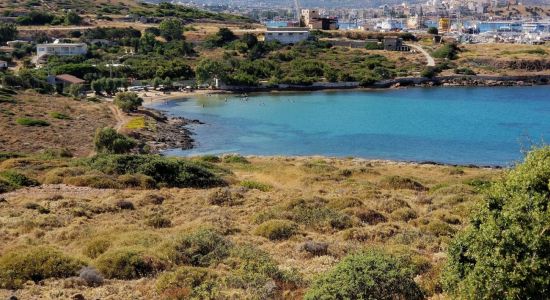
x=429, y=58
x=121, y=118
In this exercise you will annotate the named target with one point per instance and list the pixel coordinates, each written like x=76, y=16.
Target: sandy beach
x=155, y=96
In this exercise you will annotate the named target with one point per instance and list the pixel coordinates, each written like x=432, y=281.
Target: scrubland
x=226, y=228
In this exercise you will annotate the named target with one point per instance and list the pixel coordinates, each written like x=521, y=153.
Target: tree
x=8, y=32
x=107, y=140
x=128, y=101
x=72, y=18
x=75, y=90
x=371, y=274
x=147, y=43
x=433, y=30
x=171, y=29
x=505, y=251
x=226, y=35
x=207, y=70
x=97, y=86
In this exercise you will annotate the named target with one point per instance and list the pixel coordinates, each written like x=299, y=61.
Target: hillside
x=279, y=224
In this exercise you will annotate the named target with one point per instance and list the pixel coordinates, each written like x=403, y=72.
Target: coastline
x=186, y=141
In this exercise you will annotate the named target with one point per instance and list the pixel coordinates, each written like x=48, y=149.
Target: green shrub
x=398, y=182
x=137, y=181
x=254, y=185
x=253, y=269
x=9, y=155
x=200, y=248
x=448, y=51
x=35, y=263
x=93, y=181
x=31, y=122
x=128, y=101
x=107, y=140
x=60, y=116
x=210, y=158
x=235, y=159
x=171, y=172
x=17, y=179
x=97, y=246
x=404, y=214
x=503, y=253
x=277, y=229
x=366, y=275
x=188, y=282
x=129, y=263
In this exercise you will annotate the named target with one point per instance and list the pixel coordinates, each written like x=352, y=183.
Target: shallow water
x=475, y=125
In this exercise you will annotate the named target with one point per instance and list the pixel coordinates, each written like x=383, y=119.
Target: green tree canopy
x=171, y=29
x=107, y=140
x=8, y=32
x=371, y=274
x=127, y=101
x=505, y=251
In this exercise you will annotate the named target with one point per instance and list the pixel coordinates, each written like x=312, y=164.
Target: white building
x=60, y=49
x=287, y=35
x=3, y=65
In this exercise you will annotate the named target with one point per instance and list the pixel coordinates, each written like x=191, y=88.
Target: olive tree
x=128, y=101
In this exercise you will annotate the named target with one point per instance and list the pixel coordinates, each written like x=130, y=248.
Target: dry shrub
x=125, y=205
x=129, y=263
x=96, y=247
x=439, y=228
x=393, y=204
x=154, y=199
x=343, y=203
x=402, y=183
x=404, y=214
x=277, y=229
x=36, y=264
x=137, y=181
x=187, y=282
x=93, y=181
x=57, y=175
x=221, y=197
x=91, y=276
x=370, y=216
x=158, y=221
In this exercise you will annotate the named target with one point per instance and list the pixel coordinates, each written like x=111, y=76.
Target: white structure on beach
x=287, y=35
x=60, y=49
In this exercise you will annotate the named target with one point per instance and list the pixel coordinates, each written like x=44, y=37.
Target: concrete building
x=287, y=35
x=312, y=19
x=59, y=49
x=3, y=65
x=393, y=43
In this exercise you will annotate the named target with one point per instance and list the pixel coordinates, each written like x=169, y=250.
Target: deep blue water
x=478, y=125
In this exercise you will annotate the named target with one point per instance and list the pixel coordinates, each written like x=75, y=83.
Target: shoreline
x=395, y=83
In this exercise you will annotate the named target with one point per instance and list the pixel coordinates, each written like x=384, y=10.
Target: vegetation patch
x=254, y=185
x=31, y=122
x=36, y=264
x=129, y=263
x=367, y=275
x=399, y=182
x=60, y=116
x=277, y=229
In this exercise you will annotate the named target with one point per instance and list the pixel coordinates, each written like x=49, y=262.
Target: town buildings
x=59, y=49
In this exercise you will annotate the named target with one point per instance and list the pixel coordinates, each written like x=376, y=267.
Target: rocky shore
x=169, y=132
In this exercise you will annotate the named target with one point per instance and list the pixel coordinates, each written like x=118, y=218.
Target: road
x=431, y=61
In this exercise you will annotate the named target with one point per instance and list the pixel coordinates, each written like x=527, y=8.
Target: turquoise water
x=482, y=126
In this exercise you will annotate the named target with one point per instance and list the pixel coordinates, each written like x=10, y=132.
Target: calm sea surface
x=484, y=126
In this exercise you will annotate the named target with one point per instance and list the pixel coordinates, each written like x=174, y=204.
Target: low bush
x=343, y=203
x=35, y=263
x=129, y=263
x=125, y=205
x=154, y=199
x=188, y=283
x=398, y=182
x=366, y=275
x=60, y=116
x=439, y=228
x=222, y=196
x=370, y=216
x=171, y=172
x=210, y=158
x=137, y=181
x=235, y=159
x=158, y=221
x=254, y=185
x=107, y=140
x=404, y=214
x=17, y=179
x=97, y=246
x=199, y=248
x=277, y=229
x=93, y=181
x=31, y=122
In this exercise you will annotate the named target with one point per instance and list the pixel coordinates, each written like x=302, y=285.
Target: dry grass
x=84, y=222
x=75, y=134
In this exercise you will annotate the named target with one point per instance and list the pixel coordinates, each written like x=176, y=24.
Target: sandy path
x=429, y=58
